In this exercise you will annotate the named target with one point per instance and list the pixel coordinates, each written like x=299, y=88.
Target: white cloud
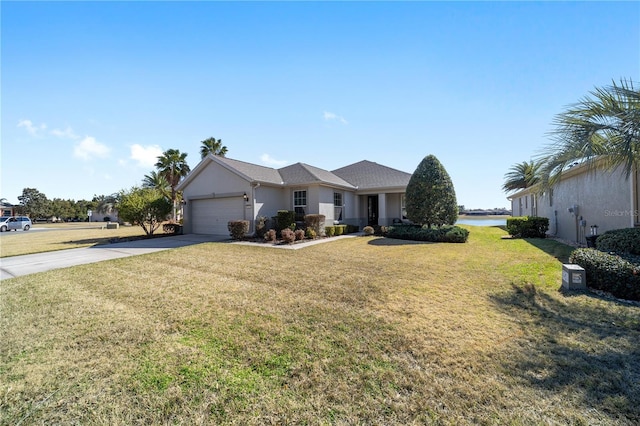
x=89, y=148
x=329, y=116
x=31, y=128
x=270, y=161
x=146, y=156
x=66, y=133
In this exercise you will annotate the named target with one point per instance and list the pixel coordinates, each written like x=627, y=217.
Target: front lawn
x=361, y=330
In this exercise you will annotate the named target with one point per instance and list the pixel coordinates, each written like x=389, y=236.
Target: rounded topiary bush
x=368, y=230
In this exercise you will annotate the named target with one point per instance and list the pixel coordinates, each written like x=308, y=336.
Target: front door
x=372, y=210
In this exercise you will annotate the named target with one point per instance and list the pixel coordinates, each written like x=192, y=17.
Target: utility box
x=573, y=277
x=112, y=225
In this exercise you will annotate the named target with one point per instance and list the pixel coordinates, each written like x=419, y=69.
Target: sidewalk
x=17, y=266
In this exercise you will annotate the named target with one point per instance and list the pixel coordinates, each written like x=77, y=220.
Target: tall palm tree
x=522, y=175
x=604, y=126
x=212, y=146
x=157, y=181
x=172, y=165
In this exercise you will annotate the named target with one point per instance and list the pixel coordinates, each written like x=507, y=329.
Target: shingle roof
x=368, y=175
x=254, y=171
x=300, y=174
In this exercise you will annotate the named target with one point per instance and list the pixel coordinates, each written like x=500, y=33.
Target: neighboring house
x=584, y=197
x=220, y=189
x=8, y=209
x=112, y=216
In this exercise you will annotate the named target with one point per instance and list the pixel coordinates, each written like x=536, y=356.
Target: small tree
x=146, y=207
x=431, y=198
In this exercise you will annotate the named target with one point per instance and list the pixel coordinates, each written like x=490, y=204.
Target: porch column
x=382, y=210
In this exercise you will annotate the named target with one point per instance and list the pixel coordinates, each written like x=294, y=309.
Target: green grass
x=62, y=236
x=355, y=331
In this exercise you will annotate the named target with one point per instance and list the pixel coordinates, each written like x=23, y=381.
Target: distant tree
x=34, y=203
x=212, y=146
x=63, y=209
x=146, y=207
x=172, y=165
x=106, y=204
x=430, y=196
x=157, y=181
x=522, y=175
x=604, y=126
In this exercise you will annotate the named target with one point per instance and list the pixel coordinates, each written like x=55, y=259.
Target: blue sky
x=93, y=92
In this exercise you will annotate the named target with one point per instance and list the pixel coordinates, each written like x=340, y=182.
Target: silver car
x=8, y=223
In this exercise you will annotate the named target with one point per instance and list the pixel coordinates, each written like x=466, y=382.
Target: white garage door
x=212, y=216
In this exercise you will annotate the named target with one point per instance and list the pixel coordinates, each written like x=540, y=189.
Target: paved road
x=16, y=266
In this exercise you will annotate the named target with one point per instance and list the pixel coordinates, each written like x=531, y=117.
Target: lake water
x=481, y=221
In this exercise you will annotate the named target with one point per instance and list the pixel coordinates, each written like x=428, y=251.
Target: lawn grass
x=62, y=236
x=356, y=331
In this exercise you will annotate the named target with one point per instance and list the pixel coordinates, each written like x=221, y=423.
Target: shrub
x=380, y=230
x=528, y=226
x=300, y=234
x=443, y=234
x=311, y=233
x=238, y=228
x=352, y=228
x=368, y=230
x=270, y=235
x=620, y=241
x=284, y=219
x=287, y=235
x=315, y=221
x=261, y=226
x=330, y=231
x=340, y=229
x=609, y=272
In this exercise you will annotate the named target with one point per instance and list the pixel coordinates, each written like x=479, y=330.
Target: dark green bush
x=238, y=228
x=443, y=234
x=609, y=272
x=284, y=219
x=620, y=241
x=528, y=226
x=352, y=229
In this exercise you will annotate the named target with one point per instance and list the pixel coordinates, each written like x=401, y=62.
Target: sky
x=93, y=92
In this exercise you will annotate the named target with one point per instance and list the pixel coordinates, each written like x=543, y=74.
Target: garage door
x=212, y=216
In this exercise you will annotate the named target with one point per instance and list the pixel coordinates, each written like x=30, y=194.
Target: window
x=299, y=203
x=337, y=205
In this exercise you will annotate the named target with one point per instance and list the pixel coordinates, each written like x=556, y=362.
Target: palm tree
x=522, y=176
x=212, y=146
x=157, y=181
x=172, y=165
x=605, y=126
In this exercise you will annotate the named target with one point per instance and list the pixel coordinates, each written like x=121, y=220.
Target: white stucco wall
x=216, y=178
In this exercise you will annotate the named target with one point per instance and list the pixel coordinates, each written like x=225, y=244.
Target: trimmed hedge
x=609, y=272
x=285, y=219
x=315, y=221
x=620, y=241
x=443, y=234
x=528, y=226
x=238, y=228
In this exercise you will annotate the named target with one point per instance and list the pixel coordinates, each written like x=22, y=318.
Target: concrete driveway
x=16, y=266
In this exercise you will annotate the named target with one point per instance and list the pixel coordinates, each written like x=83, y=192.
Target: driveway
x=16, y=266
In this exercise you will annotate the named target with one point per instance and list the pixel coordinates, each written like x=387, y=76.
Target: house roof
x=369, y=175
x=300, y=174
x=253, y=172
x=362, y=175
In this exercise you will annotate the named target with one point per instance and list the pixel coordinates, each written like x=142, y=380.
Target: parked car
x=8, y=223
